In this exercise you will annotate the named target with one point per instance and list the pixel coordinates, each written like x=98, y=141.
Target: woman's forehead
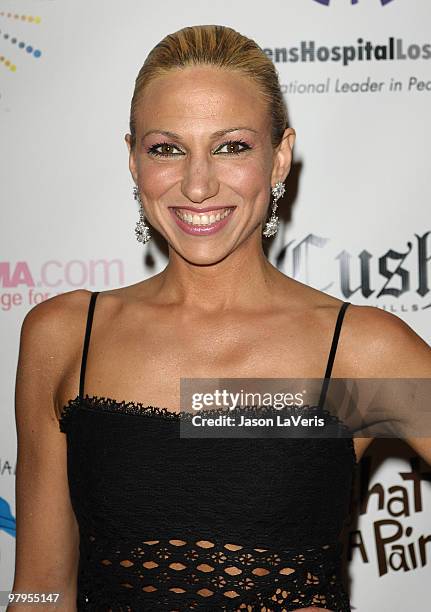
x=205, y=95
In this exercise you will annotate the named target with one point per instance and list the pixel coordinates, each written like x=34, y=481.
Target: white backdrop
x=359, y=227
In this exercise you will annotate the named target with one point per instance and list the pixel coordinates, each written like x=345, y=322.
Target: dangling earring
x=142, y=231
x=271, y=226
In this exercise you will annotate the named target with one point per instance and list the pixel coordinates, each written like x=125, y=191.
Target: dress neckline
x=114, y=406
x=111, y=404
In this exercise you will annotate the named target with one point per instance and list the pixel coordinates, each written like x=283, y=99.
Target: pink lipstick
x=206, y=229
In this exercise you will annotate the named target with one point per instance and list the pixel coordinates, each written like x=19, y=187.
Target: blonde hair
x=218, y=46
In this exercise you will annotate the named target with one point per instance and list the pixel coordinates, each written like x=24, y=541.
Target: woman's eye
x=232, y=145
x=166, y=151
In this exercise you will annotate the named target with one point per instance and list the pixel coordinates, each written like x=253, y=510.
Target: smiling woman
x=180, y=157
x=122, y=513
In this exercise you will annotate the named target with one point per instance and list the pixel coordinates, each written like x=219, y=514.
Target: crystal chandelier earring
x=142, y=231
x=271, y=226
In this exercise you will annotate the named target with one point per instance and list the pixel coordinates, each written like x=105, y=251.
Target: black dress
x=173, y=524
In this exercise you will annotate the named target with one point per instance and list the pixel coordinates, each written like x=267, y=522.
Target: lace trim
x=109, y=404
x=180, y=574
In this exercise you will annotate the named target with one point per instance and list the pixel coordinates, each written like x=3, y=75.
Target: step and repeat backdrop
x=356, y=220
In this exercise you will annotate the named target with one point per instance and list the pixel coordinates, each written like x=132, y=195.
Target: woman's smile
x=202, y=223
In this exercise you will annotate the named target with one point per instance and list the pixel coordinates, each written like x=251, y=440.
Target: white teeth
x=202, y=219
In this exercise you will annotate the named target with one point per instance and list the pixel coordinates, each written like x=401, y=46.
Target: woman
x=152, y=521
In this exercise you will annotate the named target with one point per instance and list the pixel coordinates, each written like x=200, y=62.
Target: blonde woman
x=114, y=510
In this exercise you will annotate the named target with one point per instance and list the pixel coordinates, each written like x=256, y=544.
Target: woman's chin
x=203, y=255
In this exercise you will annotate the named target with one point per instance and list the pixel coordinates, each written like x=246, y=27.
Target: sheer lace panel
x=192, y=574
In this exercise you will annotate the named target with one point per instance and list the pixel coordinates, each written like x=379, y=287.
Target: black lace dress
x=172, y=524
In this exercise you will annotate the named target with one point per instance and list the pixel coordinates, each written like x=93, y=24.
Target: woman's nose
x=199, y=181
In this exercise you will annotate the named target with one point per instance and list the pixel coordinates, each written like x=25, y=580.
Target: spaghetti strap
x=332, y=352
x=90, y=313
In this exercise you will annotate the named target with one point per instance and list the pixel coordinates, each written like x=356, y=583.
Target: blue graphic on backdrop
x=7, y=35
x=7, y=521
x=328, y=2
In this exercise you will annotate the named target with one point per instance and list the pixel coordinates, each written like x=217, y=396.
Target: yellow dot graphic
x=37, y=20
x=8, y=63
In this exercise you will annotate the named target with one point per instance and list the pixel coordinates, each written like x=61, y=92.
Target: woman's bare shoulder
x=373, y=342
x=46, y=341
x=51, y=334
x=381, y=344
x=59, y=321
x=55, y=317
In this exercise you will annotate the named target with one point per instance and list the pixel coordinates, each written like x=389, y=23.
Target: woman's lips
x=203, y=230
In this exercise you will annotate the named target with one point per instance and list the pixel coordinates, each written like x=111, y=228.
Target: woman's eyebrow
x=216, y=134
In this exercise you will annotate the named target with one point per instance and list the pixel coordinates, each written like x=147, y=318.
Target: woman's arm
x=47, y=541
x=414, y=362
x=388, y=348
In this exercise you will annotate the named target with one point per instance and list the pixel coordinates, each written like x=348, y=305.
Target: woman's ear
x=132, y=160
x=283, y=156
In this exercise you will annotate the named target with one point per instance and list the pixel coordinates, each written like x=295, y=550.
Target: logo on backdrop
x=25, y=283
x=362, y=50
x=7, y=520
x=397, y=279
x=20, y=48
x=328, y=2
x=394, y=542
